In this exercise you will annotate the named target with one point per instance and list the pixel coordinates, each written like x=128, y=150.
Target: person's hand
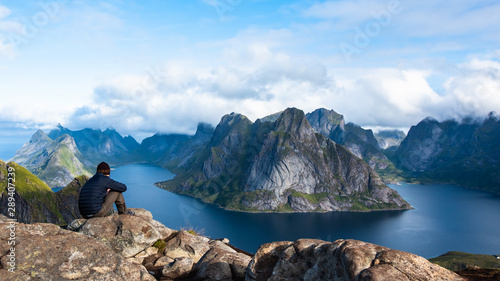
x=108, y=190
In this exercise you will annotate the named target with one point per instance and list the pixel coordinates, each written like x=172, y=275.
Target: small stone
x=151, y=251
x=163, y=261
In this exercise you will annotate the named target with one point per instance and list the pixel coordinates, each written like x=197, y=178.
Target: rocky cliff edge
x=122, y=247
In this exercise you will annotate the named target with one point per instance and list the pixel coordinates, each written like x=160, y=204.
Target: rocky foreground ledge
x=122, y=247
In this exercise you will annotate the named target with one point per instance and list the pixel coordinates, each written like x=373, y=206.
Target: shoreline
x=275, y=212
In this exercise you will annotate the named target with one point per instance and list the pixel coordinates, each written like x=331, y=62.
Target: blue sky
x=163, y=66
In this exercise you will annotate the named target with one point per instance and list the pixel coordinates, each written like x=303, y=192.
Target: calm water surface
x=445, y=218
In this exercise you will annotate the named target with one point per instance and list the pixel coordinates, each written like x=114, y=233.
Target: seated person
x=100, y=192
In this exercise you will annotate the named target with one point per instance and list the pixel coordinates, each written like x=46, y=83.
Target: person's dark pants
x=112, y=197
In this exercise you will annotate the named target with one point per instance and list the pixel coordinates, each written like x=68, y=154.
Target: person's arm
x=116, y=186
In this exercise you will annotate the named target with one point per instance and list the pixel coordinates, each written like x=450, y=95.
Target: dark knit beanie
x=103, y=167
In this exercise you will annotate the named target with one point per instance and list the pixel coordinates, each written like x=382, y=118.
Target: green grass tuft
x=160, y=245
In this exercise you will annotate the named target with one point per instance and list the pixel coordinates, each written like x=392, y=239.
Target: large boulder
x=185, y=244
x=221, y=262
x=47, y=252
x=308, y=259
x=125, y=234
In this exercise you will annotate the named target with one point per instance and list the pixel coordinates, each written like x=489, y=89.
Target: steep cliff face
x=359, y=141
x=97, y=146
x=56, y=162
x=424, y=143
x=35, y=201
x=464, y=153
x=281, y=166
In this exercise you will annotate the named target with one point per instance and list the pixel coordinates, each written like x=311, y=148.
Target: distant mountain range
x=97, y=146
x=284, y=161
x=465, y=153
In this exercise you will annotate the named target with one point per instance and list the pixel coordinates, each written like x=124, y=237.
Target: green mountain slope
x=34, y=200
x=56, y=162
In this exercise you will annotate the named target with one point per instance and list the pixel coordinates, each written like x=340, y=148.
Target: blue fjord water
x=445, y=218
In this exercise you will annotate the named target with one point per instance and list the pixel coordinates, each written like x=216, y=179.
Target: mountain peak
x=68, y=141
x=229, y=119
x=328, y=123
x=204, y=127
x=294, y=120
x=40, y=136
x=227, y=124
x=204, y=132
x=429, y=119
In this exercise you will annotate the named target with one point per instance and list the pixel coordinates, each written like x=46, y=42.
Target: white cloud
x=175, y=99
x=7, y=28
x=476, y=89
x=180, y=99
x=384, y=97
x=257, y=78
x=4, y=12
x=259, y=71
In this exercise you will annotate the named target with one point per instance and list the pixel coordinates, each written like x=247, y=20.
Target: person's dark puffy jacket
x=94, y=191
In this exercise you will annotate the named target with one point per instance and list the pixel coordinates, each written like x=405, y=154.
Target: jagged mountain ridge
x=465, y=153
x=282, y=165
x=97, y=146
x=178, y=152
x=359, y=141
x=57, y=162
